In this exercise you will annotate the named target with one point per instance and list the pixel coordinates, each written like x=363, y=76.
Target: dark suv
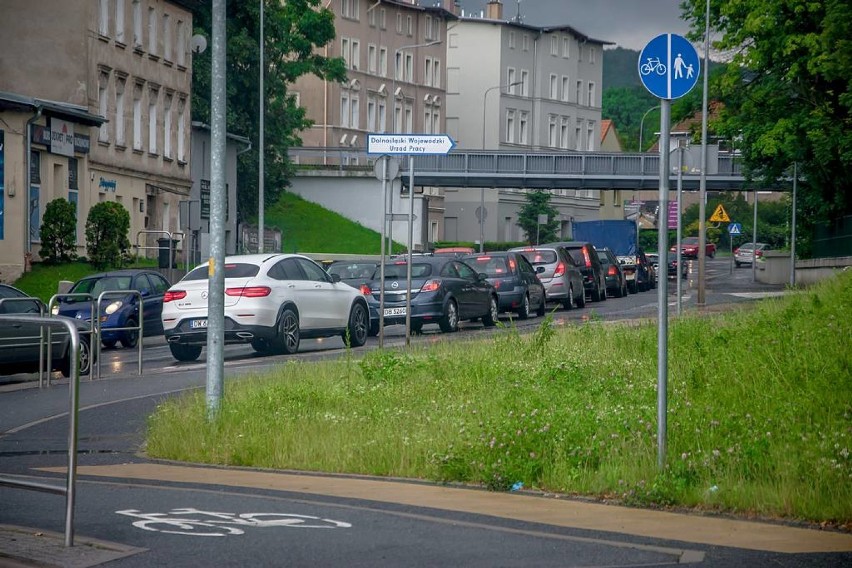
x=594, y=278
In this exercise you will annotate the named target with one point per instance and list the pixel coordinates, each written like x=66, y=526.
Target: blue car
x=119, y=310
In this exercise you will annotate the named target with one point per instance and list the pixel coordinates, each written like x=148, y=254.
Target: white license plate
x=195, y=324
x=394, y=312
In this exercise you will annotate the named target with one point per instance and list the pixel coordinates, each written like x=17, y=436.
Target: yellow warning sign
x=720, y=215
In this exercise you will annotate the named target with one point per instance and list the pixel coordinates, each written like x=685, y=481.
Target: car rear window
x=400, y=271
x=603, y=258
x=353, y=269
x=492, y=266
x=540, y=256
x=577, y=255
x=232, y=270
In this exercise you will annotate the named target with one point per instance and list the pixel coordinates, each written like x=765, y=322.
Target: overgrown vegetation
x=759, y=415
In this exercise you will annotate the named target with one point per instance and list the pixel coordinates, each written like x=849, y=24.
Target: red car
x=689, y=248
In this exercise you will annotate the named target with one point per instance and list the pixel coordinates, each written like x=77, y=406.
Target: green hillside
x=308, y=227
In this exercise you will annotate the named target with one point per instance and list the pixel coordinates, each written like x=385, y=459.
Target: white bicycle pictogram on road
x=194, y=522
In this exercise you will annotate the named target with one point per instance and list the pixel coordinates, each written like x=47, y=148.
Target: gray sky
x=628, y=23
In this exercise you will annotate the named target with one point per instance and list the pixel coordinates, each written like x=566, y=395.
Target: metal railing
x=93, y=329
x=41, y=313
x=139, y=328
x=74, y=391
x=171, y=238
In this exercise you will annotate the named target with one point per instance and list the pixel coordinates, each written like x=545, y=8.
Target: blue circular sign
x=669, y=66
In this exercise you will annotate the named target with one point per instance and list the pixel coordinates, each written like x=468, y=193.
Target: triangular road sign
x=720, y=215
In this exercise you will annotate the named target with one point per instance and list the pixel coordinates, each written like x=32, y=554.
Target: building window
x=152, y=31
x=397, y=67
x=103, y=89
x=383, y=61
x=103, y=18
x=427, y=72
x=592, y=54
x=578, y=135
x=592, y=94
x=511, y=40
x=119, y=21
x=371, y=57
x=356, y=112
x=554, y=87
x=428, y=27
x=563, y=134
x=590, y=136
x=181, y=43
x=566, y=47
x=181, y=133
x=371, y=113
x=554, y=45
x=409, y=67
x=167, y=127
x=371, y=18
x=409, y=119
x=153, y=97
x=427, y=120
x=399, y=23
x=525, y=42
x=523, y=126
x=510, y=78
x=167, y=37
x=436, y=121
x=383, y=19
x=525, y=83
x=119, y=111
x=436, y=74
x=566, y=88
x=137, y=117
x=137, y=23
x=345, y=52
x=397, y=116
x=510, y=126
x=383, y=113
x=356, y=55
x=344, y=110
x=350, y=9
x=410, y=26
x=578, y=96
x=552, y=140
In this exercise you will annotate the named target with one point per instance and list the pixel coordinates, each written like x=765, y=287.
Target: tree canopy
x=538, y=203
x=293, y=30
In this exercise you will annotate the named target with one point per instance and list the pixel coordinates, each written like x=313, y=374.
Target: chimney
x=451, y=6
x=494, y=10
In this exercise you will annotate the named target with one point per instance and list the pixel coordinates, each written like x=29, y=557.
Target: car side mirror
x=335, y=278
x=482, y=277
x=539, y=269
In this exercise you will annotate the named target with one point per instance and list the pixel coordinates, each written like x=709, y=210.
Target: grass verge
x=759, y=415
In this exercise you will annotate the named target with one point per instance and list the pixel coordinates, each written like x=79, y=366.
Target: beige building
x=95, y=106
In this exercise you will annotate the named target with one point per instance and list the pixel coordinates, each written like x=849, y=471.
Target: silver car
x=559, y=273
x=745, y=255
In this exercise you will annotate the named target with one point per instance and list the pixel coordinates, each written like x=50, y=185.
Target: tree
x=787, y=93
x=293, y=32
x=107, y=227
x=59, y=231
x=538, y=203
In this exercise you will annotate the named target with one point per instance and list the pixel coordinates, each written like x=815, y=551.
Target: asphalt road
x=134, y=511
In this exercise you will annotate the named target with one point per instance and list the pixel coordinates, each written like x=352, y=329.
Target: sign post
x=409, y=144
x=668, y=67
x=733, y=229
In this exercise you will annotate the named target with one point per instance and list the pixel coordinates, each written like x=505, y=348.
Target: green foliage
x=625, y=106
x=538, y=203
x=59, y=231
x=293, y=32
x=107, y=229
x=787, y=93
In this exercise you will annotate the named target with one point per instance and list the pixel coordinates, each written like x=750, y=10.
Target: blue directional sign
x=669, y=66
x=735, y=229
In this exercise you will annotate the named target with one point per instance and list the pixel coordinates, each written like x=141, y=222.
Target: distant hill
x=619, y=68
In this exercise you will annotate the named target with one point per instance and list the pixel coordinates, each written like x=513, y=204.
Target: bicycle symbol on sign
x=653, y=65
x=193, y=522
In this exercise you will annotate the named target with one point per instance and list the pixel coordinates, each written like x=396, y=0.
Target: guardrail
x=74, y=389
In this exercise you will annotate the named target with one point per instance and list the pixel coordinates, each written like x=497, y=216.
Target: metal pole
x=260, y=176
x=642, y=124
x=216, y=270
x=663, y=289
x=702, y=187
x=482, y=189
x=754, y=242
x=679, y=226
x=382, y=260
x=793, y=235
x=410, y=247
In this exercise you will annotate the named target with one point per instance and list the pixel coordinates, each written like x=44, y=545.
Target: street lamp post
x=482, y=189
x=642, y=125
x=260, y=174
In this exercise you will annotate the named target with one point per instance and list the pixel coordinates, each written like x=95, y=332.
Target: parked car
x=594, y=280
x=119, y=310
x=559, y=273
x=745, y=255
x=673, y=271
x=271, y=302
x=689, y=248
x=518, y=287
x=353, y=272
x=616, y=283
x=444, y=290
x=19, y=342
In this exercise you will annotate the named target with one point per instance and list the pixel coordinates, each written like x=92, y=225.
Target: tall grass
x=759, y=415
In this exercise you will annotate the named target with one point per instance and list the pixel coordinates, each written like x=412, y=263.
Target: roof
x=438, y=9
x=237, y=137
x=606, y=124
x=540, y=29
x=65, y=111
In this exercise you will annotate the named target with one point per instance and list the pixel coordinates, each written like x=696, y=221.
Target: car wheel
x=185, y=352
x=493, y=316
x=109, y=343
x=85, y=359
x=581, y=299
x=542, y=307
x=358, y=328
x=131, y=337
x=262, y=346
x=524, y=311
x=288, y=332
x=569, y=302
x=737, y=263
x=450, y=322
x=631, y=287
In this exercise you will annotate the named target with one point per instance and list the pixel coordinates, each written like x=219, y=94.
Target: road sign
x=423, y=144
x=673, y=215
x=720, y=215
x=669, y=66
x=735, y=229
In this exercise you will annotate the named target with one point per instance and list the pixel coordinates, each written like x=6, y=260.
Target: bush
x=59, y=232
x=107, y=228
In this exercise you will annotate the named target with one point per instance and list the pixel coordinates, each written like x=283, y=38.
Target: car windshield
x=690, y=241
x=232, y=270
x=492, y=266
x=400, y=271
x=545, y=256
x=94, y=286
x=351, y=270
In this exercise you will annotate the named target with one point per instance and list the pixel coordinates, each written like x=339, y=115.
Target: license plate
x=195, y=324
x=394, y=312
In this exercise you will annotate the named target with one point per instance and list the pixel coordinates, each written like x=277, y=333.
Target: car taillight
x=612, y=271
x=249, y=291
x=365, y=289
x=759, y=253
x=171, y=295
x=737, y=250
x=496, y=284
x=560, y=270
x=587, y=258
x=431, y=286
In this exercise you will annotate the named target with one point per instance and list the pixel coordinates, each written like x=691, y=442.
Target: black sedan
x=19, y=341
x=444, y=290
x=616, y=284
x=518, y=287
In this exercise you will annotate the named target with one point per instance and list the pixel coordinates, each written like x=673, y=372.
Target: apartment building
x=95, y=104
